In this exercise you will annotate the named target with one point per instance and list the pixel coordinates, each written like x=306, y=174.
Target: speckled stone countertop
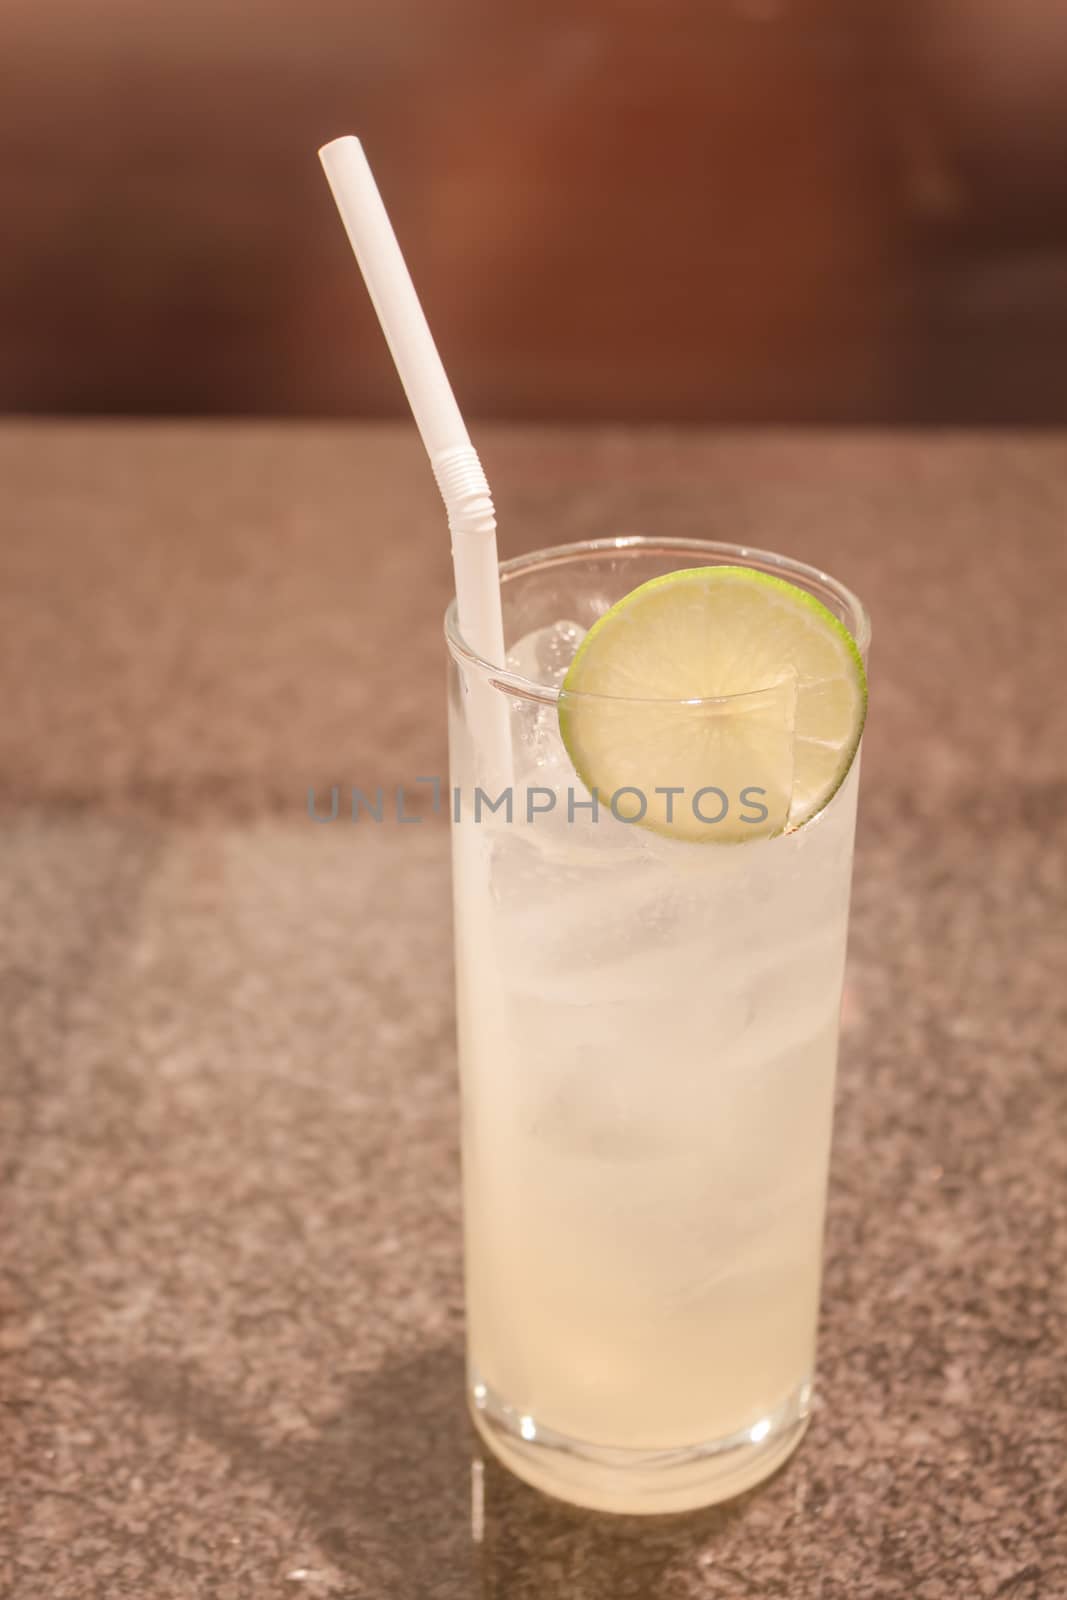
x=231, y=1343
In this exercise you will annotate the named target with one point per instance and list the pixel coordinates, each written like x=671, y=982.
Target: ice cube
x=544, y=655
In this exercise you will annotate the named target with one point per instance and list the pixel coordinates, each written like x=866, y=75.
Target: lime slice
x=765, y=759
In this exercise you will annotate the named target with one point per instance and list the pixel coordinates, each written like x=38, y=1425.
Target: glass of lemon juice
x=651, y=909
x=654, y=803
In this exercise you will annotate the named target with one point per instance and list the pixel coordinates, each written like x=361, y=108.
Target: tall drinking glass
x=648, y=1036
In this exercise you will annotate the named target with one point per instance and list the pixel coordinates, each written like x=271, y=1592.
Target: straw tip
x=334, y=147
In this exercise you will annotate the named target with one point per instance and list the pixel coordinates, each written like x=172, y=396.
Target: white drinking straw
x=463, y=486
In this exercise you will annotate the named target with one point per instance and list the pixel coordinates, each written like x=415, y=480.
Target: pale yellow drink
x=648, y=1037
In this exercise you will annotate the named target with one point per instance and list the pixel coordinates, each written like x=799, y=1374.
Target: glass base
x=639, y=1482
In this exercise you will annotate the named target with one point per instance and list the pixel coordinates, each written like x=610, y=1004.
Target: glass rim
x=502, y=678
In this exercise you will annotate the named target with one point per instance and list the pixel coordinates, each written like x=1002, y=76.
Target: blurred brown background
x=733, y=210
